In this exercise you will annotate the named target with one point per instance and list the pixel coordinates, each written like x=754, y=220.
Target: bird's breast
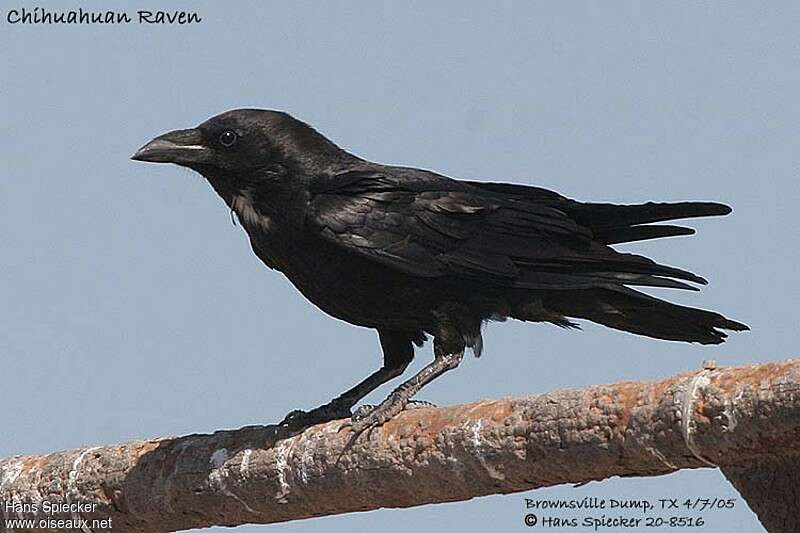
x=341, y=284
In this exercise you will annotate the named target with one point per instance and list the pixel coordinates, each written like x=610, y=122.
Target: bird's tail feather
x=629, y=310
x=612, y=224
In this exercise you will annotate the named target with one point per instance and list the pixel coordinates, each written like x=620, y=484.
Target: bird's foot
x=298, y=418
x=370, y=416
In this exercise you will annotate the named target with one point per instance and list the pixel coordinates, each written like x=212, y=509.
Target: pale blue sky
x=133, y=308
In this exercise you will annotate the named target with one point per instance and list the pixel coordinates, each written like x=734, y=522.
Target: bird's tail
x=612, y=224
x=629, y=310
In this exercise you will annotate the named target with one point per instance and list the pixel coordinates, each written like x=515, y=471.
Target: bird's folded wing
x=427, y=225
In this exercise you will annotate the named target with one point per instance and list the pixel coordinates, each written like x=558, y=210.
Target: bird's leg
x=396, y=401
x=340, y=406
x=448, y=351
x=398, y=351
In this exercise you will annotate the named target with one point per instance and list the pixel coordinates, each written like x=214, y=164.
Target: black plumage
x=412, y=253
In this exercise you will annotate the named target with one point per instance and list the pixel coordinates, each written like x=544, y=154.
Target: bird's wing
x=428, y=225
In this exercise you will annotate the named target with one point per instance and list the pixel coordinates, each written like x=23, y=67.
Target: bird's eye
x=227, y=138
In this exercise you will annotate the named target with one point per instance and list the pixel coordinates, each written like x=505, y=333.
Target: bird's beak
x=180, y=146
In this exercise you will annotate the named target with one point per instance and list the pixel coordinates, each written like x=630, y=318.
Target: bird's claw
x=419, y=404
x=325, y=413
x=362, y=412
x=370, y=416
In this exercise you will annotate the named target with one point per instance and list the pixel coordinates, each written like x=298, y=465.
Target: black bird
x=412, y=253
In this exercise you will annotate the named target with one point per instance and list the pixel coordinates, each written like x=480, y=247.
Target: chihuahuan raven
x=413, y=254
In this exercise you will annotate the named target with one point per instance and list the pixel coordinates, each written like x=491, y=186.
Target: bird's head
x=239, y=145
